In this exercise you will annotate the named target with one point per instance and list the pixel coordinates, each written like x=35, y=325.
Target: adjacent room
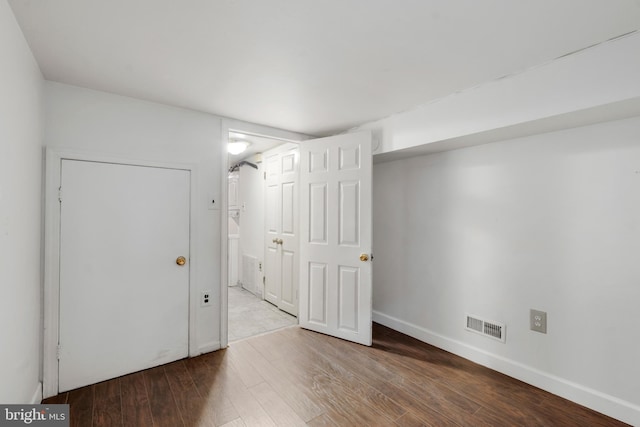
x=257, y=303
x=297, y=212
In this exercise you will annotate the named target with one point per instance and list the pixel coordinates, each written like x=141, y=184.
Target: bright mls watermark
x=34, y=415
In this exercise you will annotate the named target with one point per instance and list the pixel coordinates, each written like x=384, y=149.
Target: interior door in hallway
x=124, y=298
x=281, y=227
x=336, y=232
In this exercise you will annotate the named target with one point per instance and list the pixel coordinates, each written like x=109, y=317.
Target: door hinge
x=58, y=351
x=60, y=194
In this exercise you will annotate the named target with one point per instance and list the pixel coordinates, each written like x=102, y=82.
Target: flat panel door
x=124, y=301
x=335, y=233
x=281, y=223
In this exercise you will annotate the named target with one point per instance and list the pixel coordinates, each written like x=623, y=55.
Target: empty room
x=324, y=213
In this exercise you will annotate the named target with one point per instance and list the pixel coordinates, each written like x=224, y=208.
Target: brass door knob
x=275, y=241
x=364, y=257
x=181, y=260
x=280, y=241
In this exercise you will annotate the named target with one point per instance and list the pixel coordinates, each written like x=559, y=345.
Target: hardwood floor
x=294, y=377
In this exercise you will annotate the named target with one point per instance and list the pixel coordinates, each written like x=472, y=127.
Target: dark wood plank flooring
x=294, y=377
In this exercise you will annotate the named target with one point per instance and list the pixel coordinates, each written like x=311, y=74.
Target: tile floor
x=249, y=315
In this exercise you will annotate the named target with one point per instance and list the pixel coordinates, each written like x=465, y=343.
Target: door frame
x=230, y=125
x=51, y=294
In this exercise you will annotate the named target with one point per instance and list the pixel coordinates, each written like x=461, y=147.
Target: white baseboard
x=37, y=395
x=601, y=402
x=208, y=347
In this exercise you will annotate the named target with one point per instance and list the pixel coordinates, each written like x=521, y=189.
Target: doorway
x=334, y=237
x=254, y=307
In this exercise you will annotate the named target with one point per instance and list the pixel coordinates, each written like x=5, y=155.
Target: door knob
x=275, y=241
x=280, y=241
x=181, y=260
x=364, y=257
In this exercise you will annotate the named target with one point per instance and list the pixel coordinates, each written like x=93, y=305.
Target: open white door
x=335, y=242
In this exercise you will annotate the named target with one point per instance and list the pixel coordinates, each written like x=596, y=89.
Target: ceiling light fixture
x=236, y=147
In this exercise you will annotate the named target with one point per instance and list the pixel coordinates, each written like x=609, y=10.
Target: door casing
x=230, y=125
x=54, y=157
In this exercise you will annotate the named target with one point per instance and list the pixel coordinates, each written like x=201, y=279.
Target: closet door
x=281, y=227
x=124, y=270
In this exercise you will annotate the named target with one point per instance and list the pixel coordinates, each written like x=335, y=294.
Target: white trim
x=598, y=401
x=259, y=130
x=231, y=125
x=208, y=347
x=54, y=157
x=224, y=231
x=51, y=274
x=37, y=395
x=194, y=294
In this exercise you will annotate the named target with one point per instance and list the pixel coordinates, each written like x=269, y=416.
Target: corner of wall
x=21, y=135
x=37, y=395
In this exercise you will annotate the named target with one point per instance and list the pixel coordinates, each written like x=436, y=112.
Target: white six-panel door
x=124, y=301
x=335, y=231
x=281, y=227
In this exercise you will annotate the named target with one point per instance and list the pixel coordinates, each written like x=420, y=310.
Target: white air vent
x=488, y=328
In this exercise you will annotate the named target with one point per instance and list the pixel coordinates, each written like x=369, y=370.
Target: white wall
x=550, y=222
x=21, y=128
x=252, y=217
x=548, y=96
x=92, y=121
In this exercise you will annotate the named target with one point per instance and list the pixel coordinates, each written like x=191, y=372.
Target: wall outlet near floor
x=538, y=321
x=205, y=301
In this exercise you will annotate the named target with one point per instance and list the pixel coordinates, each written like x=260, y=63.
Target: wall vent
x=488, y=328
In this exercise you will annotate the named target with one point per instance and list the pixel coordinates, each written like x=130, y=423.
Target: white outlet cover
x=205, y=296
x=538, y=321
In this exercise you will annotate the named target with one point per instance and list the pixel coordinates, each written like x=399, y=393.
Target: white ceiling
x=312, y=66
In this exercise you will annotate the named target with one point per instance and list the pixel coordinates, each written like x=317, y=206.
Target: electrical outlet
x=538, y=321
x=205, y=301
